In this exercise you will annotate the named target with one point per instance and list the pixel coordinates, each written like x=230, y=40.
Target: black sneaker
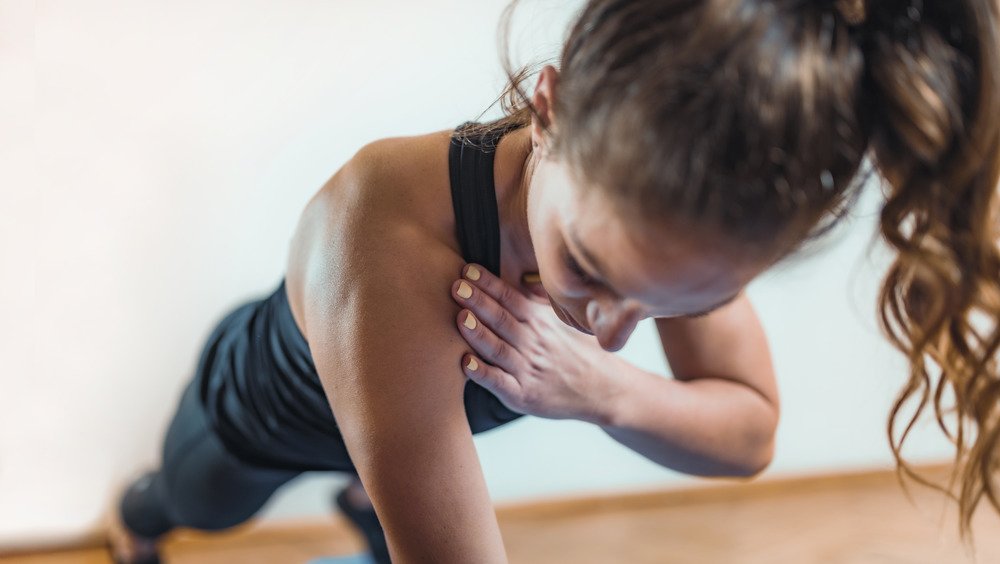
x=367, y=522
x=147, y=559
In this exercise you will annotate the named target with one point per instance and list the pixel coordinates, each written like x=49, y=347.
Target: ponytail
x=932, y=102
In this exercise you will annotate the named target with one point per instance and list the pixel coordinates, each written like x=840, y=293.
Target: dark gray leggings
x=199, y=484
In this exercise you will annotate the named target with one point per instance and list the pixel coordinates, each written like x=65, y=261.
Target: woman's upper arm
x=381, y=330
x=727, y=343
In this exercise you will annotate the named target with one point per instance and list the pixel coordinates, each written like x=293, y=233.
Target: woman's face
x=604, y=273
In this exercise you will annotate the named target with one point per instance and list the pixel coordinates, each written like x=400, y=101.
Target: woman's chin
x=568, y=319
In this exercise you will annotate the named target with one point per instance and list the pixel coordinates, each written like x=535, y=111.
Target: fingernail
x=472, y=273
x=464, y=290
x=470, y=321
x=472, y=365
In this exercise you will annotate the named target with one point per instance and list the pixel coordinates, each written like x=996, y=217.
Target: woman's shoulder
x=390, y=202
x=396, y=179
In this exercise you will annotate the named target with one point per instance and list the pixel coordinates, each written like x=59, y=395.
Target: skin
x=632, y=271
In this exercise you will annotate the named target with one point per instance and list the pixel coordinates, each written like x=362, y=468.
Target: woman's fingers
x=486, y=343
x=505, y=324
x=516, y=303
x=498, y=382
x=494, y=321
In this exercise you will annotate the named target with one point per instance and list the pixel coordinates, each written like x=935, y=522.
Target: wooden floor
x=860, y=518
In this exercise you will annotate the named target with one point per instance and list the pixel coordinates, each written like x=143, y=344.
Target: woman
x=681, y=149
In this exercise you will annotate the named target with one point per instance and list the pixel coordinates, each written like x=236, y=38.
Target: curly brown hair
x=755, y=119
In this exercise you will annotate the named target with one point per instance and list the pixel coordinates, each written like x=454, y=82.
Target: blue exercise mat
x=363, y=558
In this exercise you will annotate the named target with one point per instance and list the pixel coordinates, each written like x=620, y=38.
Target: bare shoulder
x=393, y=189
x=404, y=178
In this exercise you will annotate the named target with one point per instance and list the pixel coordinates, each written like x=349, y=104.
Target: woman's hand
x=526, y=356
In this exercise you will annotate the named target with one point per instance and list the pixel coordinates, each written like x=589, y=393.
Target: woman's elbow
x=759, y=462
x=762, y=446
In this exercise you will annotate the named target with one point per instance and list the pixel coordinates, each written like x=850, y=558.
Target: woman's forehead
x=655, y=264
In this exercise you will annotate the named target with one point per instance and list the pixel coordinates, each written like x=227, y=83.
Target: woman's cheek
x=566, y=285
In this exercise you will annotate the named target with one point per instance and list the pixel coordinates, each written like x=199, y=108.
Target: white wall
x=155, y=157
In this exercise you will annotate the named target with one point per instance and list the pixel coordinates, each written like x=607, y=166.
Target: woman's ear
x=542, y=99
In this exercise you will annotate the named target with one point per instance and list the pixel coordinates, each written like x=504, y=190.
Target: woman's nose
x=613, y=324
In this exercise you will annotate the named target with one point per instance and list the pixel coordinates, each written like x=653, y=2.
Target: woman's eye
x=577, y=271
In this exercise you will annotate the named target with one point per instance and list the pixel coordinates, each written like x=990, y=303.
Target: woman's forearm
x=706, y=426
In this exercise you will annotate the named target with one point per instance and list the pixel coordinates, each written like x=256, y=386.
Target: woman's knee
x=210, y=490
x=210, y=515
